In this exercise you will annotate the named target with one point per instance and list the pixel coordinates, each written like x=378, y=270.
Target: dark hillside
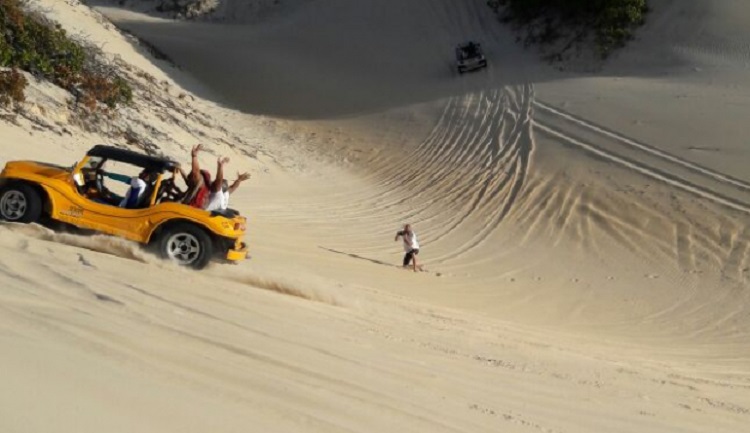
x=560, y=25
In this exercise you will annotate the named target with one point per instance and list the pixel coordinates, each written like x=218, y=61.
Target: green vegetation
x=31, y=42
x=610, y=22
x=12, y=84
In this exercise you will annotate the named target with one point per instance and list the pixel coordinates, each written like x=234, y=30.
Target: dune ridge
x=584, y=233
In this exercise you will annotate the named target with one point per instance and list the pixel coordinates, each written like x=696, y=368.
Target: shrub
x=99, y=88
x=611, y=22
x=31, y=42
x=12, y=85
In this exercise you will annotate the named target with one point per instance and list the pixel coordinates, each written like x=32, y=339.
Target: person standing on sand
x=411, y=246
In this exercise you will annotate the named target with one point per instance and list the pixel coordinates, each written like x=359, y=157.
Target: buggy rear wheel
x=186, y=245
x=20, y=203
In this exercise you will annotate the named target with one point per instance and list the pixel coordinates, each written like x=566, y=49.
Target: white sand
x=586, y=235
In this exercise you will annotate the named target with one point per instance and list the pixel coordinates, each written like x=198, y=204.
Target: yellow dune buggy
x=81, y=195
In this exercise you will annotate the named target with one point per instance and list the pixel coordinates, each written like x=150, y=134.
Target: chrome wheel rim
x=13, y=205
x=183, y=248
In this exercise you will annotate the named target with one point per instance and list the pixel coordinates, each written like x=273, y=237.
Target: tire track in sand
x=722, y=242
x=472, y=168
x=457, y=184
x=643, y=158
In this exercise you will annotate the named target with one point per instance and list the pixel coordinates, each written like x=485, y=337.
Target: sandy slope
x=588, y=251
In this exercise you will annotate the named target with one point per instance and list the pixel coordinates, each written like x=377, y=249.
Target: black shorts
x=409, y=256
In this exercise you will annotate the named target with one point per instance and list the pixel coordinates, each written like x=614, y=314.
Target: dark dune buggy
x=470, y=57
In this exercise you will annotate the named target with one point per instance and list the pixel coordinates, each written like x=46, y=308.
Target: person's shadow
x=356, y=256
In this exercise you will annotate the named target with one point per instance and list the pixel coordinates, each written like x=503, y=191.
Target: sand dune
x=393, y=54
x=584, y=234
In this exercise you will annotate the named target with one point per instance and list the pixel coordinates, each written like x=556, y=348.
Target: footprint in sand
x=83, y=261
x=23, y=245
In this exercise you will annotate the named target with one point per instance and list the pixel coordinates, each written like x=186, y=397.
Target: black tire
x=20, y=203
x=187, y=245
